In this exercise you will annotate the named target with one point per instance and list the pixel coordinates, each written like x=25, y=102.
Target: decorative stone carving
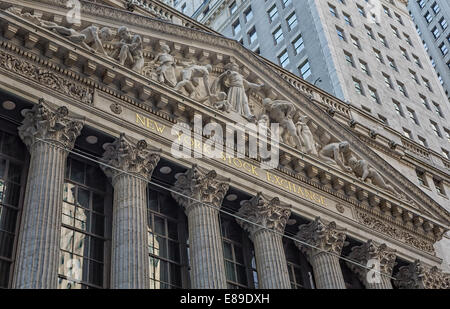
x=322, y=236
x=167, y=64
x=46, y=77
x=363, y=170
x=129, y=49
x=418, y=276
x=335, y=153
x=233, y=83
x=200, y=185
x=264, y=213
x=91, y=38
x=124, y=155
x=391, y=230
x=307, y=138
x=221, y=102
x=283, y=112
x=116, y=108
x=189, y=79
x=371, y=251
x=41, y=123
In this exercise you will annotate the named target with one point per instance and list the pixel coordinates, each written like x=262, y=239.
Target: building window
x=421, y=178
x=374, y=95
x=240, y=264
x=407, y=133
x=284, y=59
x=439, y=185
x=305, y=69
x=436, y=32
x=444, y=49
x=369, y=32
x=446, y=154
x=435, y=7
x=166, y=241
x=333, y=10
x=378, y=56
x=364, y=67
x=12, y=156
x=298, y=44
x=412, y=116
x=443, y=23
x=428, y=17
x=424, y=101
x=236, y=27
x=402, y=88
x=383, y=40
x=398, y=108
x=422, y=141
x=248, y=14
x=349, y=58
x=292, y=21
x=273, y=13
x=300, y=271
x=233, y=8
x=252, y=35
x=83, y=237
x=388, y=81
x=355, y=42
x=340, y=34
x=348, y=19
x=278, y=35
x=358, y=86
x=435, y=129
x=437, y=109
x=392, y=63
x=414, y=76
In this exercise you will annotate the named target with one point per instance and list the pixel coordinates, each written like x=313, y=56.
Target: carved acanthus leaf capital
x=322, y=236
x=199, y=186
x=43, y=123
x=265, y=213
x=418, y=276
x=370, y=251
x=127, y=156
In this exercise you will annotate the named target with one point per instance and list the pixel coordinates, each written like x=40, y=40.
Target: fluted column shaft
x=270, y=260
x=38, y=247
x=206, y=248
x=48, y=134
x=384, y=284
x=327, y=271
x=129, y=258
x=129, y=164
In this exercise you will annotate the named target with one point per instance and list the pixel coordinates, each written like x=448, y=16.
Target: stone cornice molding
x=371, y=251
x=419, y=276
x=324, y=237
x=198, y=187
x=45, y=124
x=125, y=155
x=263, y=213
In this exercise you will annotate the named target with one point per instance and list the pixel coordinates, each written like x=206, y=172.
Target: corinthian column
x=129, y=165
x=372, y=255
x=201, y=193
x=265, y=220
x=419, y=276
x=327, y=241
x=48, y=134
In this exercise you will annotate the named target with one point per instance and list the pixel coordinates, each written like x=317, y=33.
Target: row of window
x=438, y=184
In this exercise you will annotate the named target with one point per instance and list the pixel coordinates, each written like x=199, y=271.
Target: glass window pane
x=153, y=200
x=160, y=227
x=81, y=244
x=175, y=275
x=77, y=171
x=11, y=194
x=96, y=273
x=68, y=214
x=241, y=274
x=13, y=146
x=173, y=230
x=227, y=251
x=4, y=273
x=98, y=225
x=2, y=168
x=95, y=178
x=81, y=218
x=8, y=219
x=69, y=193
x=98, y=203
x=66, y=239
x=97, y=249
x=14, y=172
x=6, y=244
x=83, y=198
x=161, y=246
x=174, y=251
x=229, y=271
x=167, y=206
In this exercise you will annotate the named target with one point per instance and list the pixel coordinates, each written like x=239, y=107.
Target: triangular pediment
x=141, y=58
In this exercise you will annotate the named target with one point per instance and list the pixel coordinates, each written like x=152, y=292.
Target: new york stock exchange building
x=93, y=196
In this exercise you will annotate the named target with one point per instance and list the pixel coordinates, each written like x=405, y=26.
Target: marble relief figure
x=335, y=154
x=236, y=86
x=189, y=79
x=306, y=136
x=167, y=64
x=129, y=49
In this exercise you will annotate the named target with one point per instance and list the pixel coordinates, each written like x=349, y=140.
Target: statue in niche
x=363, y=170
x=306, y=136
x=336, y=153
x=166, y=70
x=91, y=38
x=129, y=49
x=190, y=76
x=283, y=112
x=222, y=103
x=235, y=86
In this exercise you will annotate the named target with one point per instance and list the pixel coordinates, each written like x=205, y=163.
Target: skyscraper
x=431, y=19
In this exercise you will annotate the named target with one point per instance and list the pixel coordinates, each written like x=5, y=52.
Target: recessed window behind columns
x=12, y=187
x=167, y=241
x=300, y=271
x=86, y=225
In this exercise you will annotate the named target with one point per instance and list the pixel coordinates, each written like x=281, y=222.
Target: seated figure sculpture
x=129, y=48
x=335, y=153
x=189, y=76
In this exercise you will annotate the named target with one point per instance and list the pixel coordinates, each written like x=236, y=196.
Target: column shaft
x=385, y=284
x=38, y=247
x=130, y=261
x=271, y=260
x=327, y=271
x=206, y=248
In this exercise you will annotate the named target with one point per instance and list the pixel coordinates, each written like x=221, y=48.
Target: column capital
x=324, y=236
x=43, y=122
x=372, y=251
x=267, y=213
x=199, y=184
x=127, y=155
x=419, y=276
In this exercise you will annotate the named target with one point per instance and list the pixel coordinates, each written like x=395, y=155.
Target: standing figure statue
x=190, y=76
x=283, y=112
x=91, y=38
x=304, y=132
x=237, y=86
x=129, y=48
x=166, y=70
x=336, y=153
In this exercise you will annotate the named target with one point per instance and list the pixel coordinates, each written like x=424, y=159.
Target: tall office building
x=108, y=177
x=366, y=53
x=431, y=19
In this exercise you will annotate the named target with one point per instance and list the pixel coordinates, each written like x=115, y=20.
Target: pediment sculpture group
x=227, y=93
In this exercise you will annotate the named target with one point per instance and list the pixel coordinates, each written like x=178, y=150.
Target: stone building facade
x=94, y=195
